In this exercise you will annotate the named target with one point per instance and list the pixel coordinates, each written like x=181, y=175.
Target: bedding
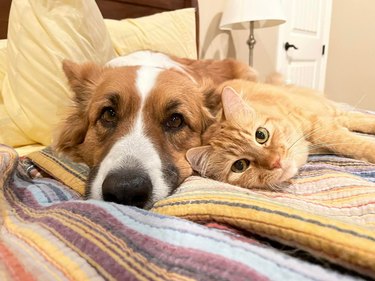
x=48, y=232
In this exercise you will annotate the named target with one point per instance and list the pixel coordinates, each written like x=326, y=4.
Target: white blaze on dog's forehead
x=145, y=58
x=148, y=58
x=146, y=78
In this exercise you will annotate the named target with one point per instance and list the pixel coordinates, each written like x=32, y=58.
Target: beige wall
x=218, y=44
x=350, y=73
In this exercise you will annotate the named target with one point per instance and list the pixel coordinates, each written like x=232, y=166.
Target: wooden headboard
x=4, y=15
x=118, y=9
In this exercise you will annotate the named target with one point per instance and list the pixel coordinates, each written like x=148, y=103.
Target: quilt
x=321, y=228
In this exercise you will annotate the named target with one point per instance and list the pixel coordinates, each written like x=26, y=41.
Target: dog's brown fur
x=85, y=136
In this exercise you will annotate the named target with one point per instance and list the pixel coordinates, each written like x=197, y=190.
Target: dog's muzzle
x=131, y=187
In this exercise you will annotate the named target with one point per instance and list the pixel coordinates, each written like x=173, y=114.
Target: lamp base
x=251, y=42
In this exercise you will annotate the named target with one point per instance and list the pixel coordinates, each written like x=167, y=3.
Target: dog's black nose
x=128, y=187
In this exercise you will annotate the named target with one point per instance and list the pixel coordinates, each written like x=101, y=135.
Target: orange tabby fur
x=295, y=118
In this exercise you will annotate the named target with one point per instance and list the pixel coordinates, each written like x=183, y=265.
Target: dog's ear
x=82, y=78
x=72, y=131
x=210, y=104
x=212, y=97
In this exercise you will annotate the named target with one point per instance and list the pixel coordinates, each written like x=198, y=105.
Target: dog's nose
x=127, y=187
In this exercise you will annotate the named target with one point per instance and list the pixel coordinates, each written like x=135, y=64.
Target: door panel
x=303, y=73
x=307, y=28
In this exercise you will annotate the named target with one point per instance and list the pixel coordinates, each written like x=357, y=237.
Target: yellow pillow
x=3, y=62
x=40, y=35
x=9, y=132
x=3, y=43
x=169, y=32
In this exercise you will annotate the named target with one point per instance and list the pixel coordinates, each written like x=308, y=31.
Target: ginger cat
x=266, y=133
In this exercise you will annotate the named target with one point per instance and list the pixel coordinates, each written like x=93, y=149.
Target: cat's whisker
x=333, y=145
x=296, y=141
x=277, y=187
x=326, y=144
x=356, y=106
x=312, y=132
x=304, y=135
x=307, y=136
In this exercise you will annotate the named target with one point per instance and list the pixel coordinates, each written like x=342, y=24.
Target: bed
x=321, y=228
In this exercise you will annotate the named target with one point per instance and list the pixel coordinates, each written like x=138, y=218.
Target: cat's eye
x=240, y=166
x=175, y=122
x=108, y=116
x=262, y=135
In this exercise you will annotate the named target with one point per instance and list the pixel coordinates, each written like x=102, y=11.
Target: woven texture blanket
x=49, y=233
x=328, y=210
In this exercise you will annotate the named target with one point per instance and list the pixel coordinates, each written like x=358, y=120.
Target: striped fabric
x=69, y=173
x=49, y=233
x=328, y=210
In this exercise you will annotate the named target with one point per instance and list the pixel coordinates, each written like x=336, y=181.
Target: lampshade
x=264, y=13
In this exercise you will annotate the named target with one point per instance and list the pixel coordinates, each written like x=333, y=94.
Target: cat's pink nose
x=276, y=164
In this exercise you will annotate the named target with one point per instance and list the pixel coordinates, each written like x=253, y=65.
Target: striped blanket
x=321, y=228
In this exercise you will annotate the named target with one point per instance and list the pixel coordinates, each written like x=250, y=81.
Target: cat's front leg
x=357, y=121
x=341, y=141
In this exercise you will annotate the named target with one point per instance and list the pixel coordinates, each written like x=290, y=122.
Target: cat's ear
x=198, y=157
x=233, y=105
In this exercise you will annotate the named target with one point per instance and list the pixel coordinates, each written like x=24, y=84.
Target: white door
x=303, y=42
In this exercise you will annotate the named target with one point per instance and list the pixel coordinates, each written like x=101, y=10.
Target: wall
x=218, y=44
x=350, y=73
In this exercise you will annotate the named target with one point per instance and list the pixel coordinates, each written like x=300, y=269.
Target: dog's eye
x=174, y=122
x=108, y=116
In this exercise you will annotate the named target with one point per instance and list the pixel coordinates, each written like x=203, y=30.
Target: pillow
x=169, y=32
x=40, y=35
x=61, y=168
x=3, y=63
x=9, y=132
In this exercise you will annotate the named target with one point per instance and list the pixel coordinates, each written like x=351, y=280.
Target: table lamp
x=250, y=14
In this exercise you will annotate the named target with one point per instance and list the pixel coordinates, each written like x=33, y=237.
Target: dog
x=133, y=120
